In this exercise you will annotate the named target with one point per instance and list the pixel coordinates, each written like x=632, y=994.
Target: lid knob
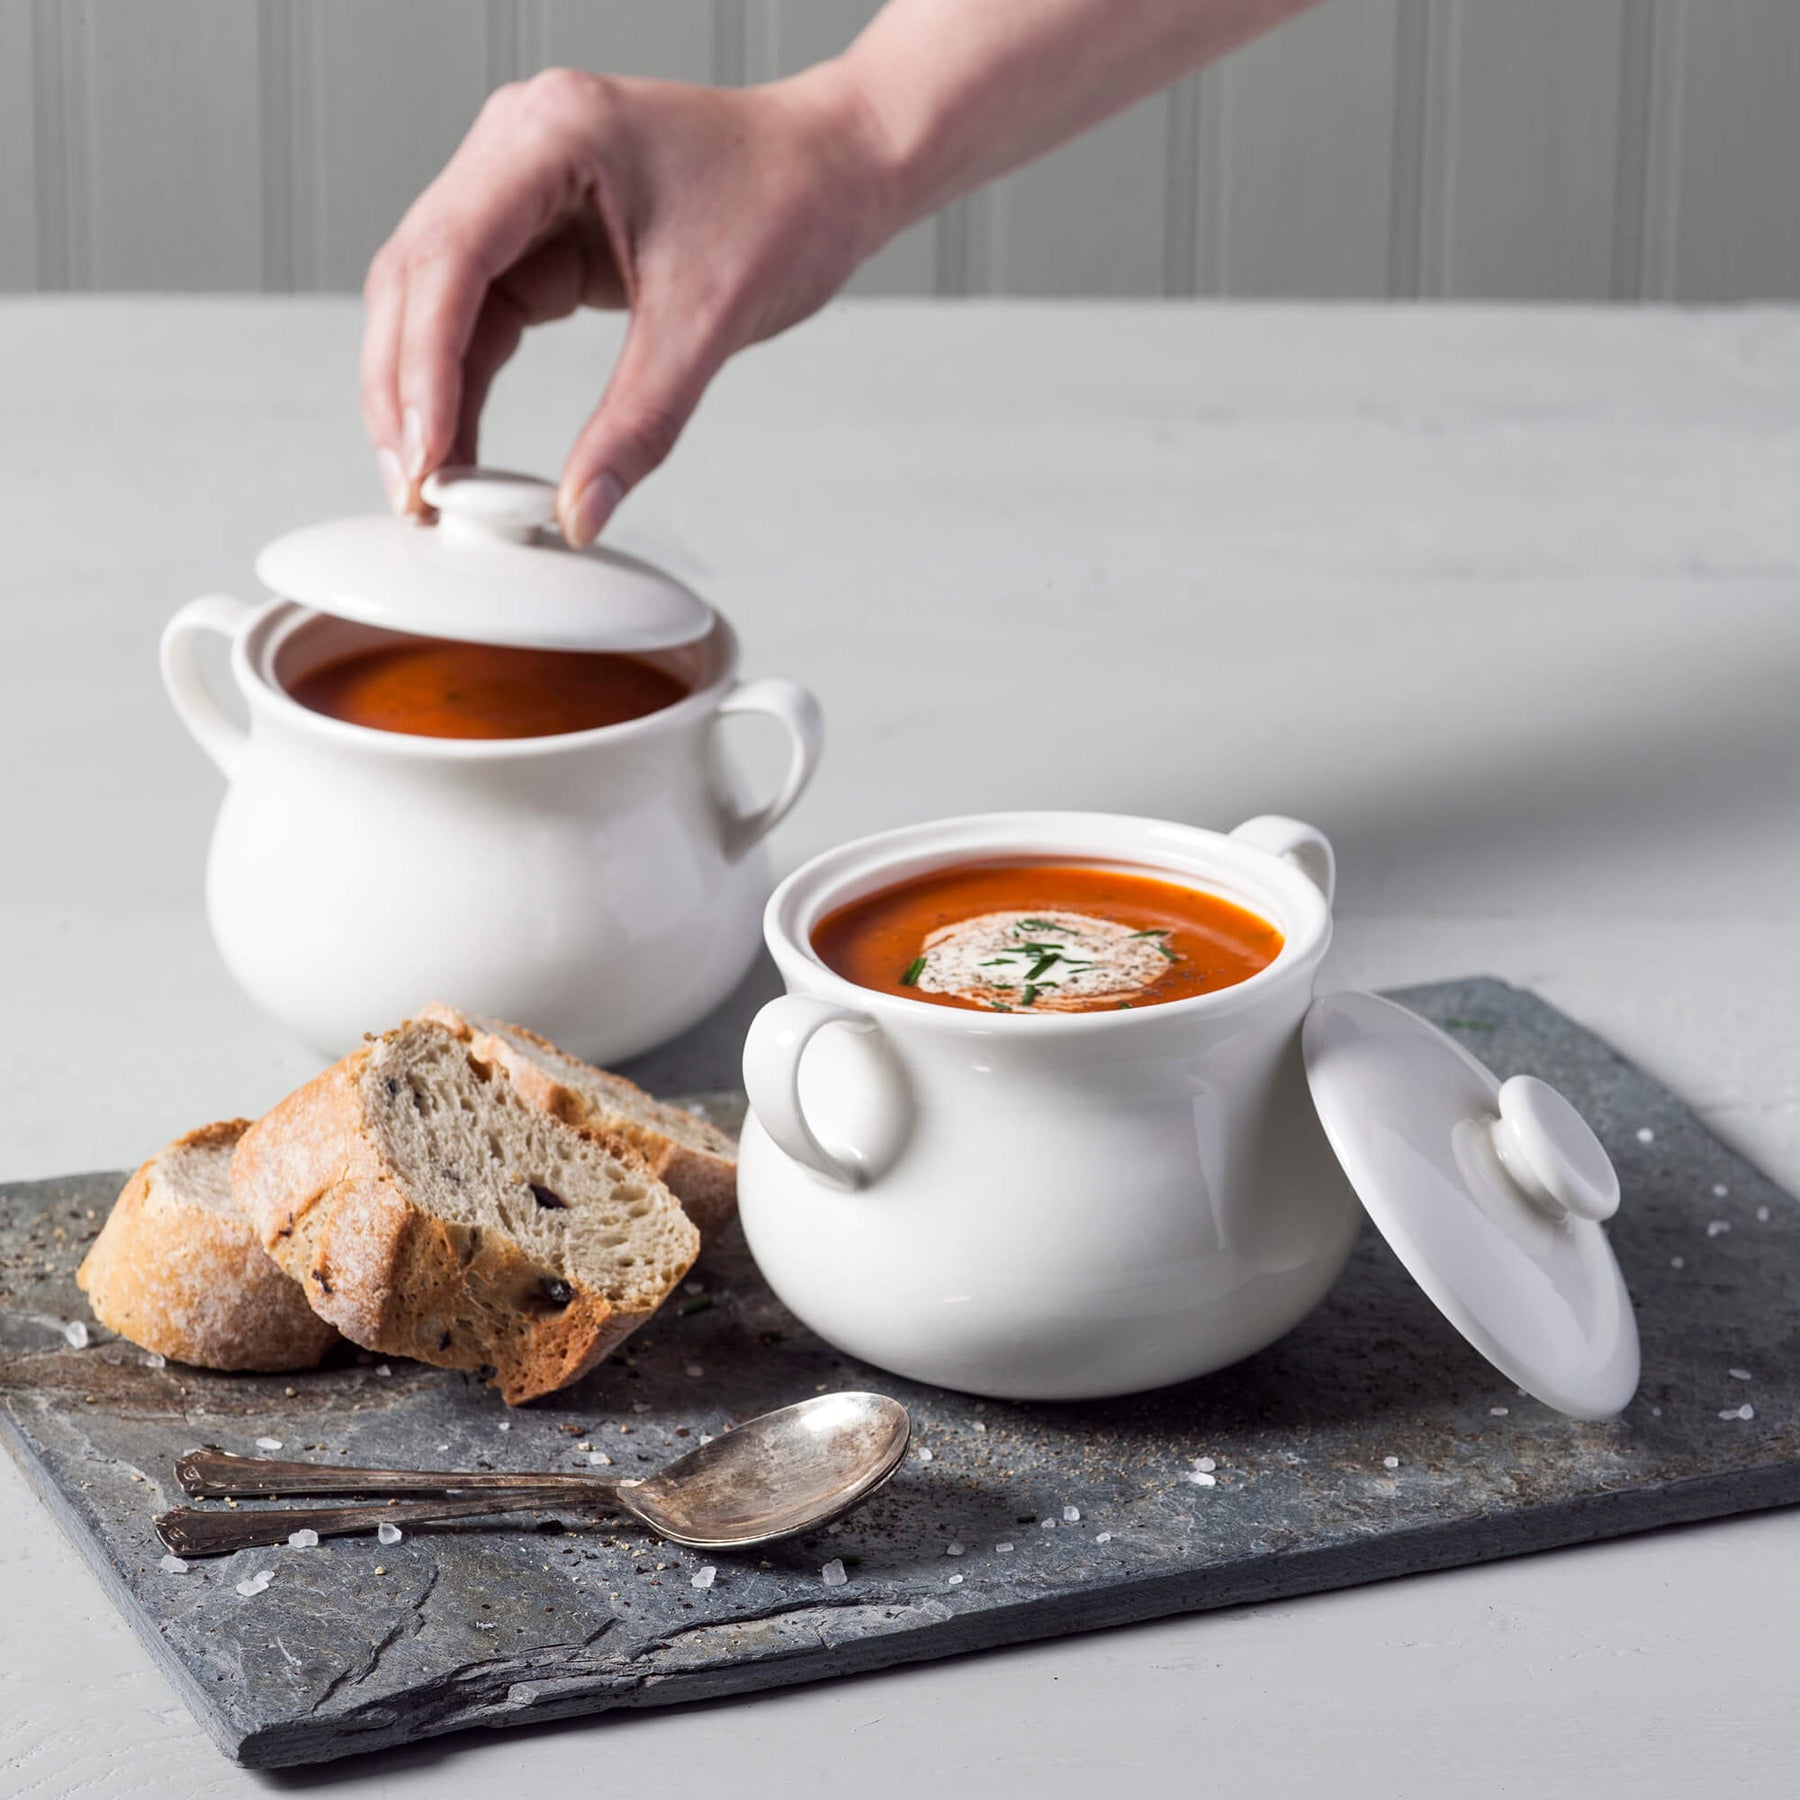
x=490, y=505
x=1552, y=1154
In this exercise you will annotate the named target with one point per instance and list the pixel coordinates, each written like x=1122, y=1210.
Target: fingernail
x=393, y=478
x=412, y=443
x=593, y=507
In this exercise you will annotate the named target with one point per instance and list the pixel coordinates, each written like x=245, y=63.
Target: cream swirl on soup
x=1058, y=961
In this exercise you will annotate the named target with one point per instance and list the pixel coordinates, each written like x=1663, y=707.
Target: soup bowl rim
x=279, y=621
x=864, y=865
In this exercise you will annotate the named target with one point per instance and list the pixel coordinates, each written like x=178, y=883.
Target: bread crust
x=394, y=1277
x=195, y=1285
x=705, y=1182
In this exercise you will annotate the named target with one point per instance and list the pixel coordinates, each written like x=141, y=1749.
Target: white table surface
x=1507, y=601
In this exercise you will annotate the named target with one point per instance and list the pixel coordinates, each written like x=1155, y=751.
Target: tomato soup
x=431, y=687
x=1021, y=936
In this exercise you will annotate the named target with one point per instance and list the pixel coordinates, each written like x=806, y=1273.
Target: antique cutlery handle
x=214, y=1474
x=188, y=1531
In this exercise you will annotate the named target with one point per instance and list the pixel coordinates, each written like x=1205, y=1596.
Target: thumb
x=654, y=389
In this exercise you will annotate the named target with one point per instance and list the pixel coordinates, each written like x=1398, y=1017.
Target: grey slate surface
x=354, y=1646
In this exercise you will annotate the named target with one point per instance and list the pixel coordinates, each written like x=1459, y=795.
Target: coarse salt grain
x=954, y=1581
x=383, y=1370
x=953, y=1549
x=703, y=1577
x=505, y=1425
x=268, y=1443
x=1205, y=1464
x=1720, y=1190
x=156, y=1359
x=1745, y=1411
x=388, y=1534
x=706, y=1437
x=1715, y=1226
x=1656, y=1412
x=1200, y=1478
x=173, y=1565
x=833, y=1573
x=599, y=1459
x=1102, y=1537
x=304, y=1539
x=1677, y=1262
x=1046, y=1524
x=1645, y=1135
x=691, y=1287
x=1071, y=1515
x=1739, y=1374
x=76, y=1333
x=1762, y=1215
x=694, y=1371
x=1499, y=1412
x=1390, y=1462
x=981, y=1425
x=640, y=1406
x=924, y=1454
x=1003, y=1549
x=252, y=1585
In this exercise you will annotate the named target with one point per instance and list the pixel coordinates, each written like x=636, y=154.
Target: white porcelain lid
x=1492, y=1195
x=491, y=570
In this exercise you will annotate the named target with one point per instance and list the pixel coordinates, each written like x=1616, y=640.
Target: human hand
x=719, y=217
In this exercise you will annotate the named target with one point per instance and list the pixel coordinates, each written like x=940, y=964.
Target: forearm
x=957, y=92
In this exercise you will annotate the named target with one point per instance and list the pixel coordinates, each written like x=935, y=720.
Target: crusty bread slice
x=429, y=1211
x=694, y=1158
x=178, y=1269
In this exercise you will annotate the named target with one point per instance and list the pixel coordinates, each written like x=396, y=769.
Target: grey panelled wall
x=1513, y=149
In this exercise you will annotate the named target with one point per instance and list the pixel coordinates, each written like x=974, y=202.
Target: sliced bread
x=179, y=1270
x=429, y=1211
x=696, y=1159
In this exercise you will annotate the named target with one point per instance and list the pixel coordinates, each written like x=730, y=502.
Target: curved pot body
x=602, y=886
x=1046, y=1207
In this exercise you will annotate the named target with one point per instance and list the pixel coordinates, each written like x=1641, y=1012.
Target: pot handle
x=214, y=729
x=797, y=712
x=773, y=1049
x=1305, y=846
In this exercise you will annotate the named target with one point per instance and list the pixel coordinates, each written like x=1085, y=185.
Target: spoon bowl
x=773, y=1476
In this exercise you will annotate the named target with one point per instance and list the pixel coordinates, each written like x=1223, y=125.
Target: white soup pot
x=1046, y=1207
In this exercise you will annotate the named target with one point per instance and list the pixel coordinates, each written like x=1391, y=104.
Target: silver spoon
x=772, y=1476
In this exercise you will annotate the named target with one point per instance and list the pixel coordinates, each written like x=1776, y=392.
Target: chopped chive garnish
x=1157, y=933
x=688, y=1308
x=1030, y=995
x=1001, y=1006
x=913, y=971
x=1171, y=955
x=1124, y=1006
x=1035, y=925
x=1044, y=964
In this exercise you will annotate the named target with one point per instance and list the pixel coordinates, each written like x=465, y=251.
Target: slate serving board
x=1370, y=1442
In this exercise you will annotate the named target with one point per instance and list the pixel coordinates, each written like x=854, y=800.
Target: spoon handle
x=214, y=1474
x=188, y=1531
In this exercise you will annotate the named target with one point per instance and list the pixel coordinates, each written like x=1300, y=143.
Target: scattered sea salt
x=1645, y=1135
x=1390, y=1462
x=1204, y=1464
x=1762, y=1215
x=833, y=1573
x=1715, y=1226
x=506, y=1425
x=383, y=1369
x=1200, y=1478
x=1499, y=1412
x=599, y=1459
x=1071, y=1515
x=304, y=1539
x=640, y=1406
x=691, y=1287
x=156, y=1359
x=442, y=1448
x=1102, y=1537
x=953, y=1549
x=706, y=1437
x=924, y=1454
x=388, y=1534
x=1739, y=1374
x=1746, y=1411
x=954, y=1581
x=1046, y=1524
x=173, y=1565
x=1003, y=1549
x=1656, y=1412
x=1720, y=1190
x=703, y=1577
x=1677, y=1262
x=252, y=1585
x=981, y=1424
x=833, y=1530
x=268, y=1443
x=76, y=1333
x=694, y=1371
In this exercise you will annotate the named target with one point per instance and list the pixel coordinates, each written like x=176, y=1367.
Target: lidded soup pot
x=603, y=885
x=1066, y=1205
